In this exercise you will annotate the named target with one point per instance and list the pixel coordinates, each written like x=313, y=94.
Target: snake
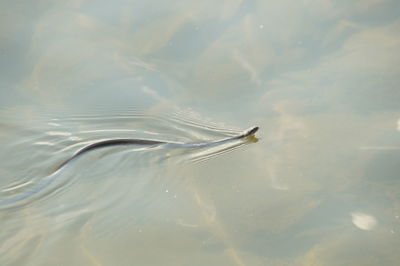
x=120, y=142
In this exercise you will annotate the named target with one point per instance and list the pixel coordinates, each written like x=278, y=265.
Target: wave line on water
x=192, y=141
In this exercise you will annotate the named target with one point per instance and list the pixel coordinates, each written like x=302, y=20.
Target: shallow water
x=320, y=78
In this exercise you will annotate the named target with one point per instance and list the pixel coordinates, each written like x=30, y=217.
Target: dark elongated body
x=147, y=142
x=119, y=142
x=111, y=143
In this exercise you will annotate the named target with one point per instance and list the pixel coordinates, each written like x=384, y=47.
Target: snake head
x=250, y=132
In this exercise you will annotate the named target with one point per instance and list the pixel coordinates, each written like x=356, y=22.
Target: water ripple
x=33, y=156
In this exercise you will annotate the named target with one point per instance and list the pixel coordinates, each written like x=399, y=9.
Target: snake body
x=119, y=142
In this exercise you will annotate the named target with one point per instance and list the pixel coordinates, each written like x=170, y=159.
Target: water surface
x=319, y=77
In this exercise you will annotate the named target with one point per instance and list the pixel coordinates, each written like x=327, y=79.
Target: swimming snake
x=120, y=142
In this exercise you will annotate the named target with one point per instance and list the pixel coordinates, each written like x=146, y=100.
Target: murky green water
x=320, y=78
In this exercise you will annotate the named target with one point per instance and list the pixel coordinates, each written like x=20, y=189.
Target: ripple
x=34, y=155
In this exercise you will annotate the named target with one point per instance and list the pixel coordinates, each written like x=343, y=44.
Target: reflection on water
x=320, y=78
x=363, y=221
